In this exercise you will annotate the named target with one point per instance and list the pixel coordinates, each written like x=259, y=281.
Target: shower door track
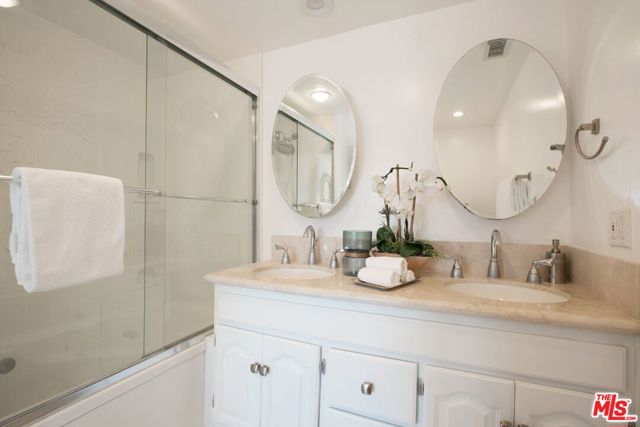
x=55, y=404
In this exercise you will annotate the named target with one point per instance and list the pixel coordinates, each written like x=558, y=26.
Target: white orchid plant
x=401, y=202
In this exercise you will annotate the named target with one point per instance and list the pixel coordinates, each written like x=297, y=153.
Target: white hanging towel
x=520, y=188
x=68, y=228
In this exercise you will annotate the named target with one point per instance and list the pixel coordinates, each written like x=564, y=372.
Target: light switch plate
x=623, y=221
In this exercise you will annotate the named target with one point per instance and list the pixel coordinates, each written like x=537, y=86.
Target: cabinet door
x=540, y=406
x=209, y=369
x=291, y=388
x=456, y=398
x=236, y=388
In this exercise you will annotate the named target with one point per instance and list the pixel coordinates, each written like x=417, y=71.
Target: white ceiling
x=228, y=29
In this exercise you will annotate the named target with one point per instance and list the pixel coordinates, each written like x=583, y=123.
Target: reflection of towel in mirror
x=520, y=193
x=539, y=184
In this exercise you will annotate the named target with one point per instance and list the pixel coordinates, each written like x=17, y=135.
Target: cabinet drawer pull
x=254, y=367
x=506, y=423
x=366, y=388
x=263, y=370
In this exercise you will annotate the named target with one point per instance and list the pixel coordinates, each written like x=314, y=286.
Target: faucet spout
x=494, y=266
x=496, y=240
x=310, y=232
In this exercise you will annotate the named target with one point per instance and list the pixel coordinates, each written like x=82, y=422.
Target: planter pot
x=414, y=263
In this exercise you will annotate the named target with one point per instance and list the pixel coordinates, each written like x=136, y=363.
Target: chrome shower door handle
x=254, y=367
x=366, y=388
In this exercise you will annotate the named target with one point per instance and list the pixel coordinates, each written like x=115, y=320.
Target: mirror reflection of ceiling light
x=458, y=114
x=320, y=95
x=9, y=3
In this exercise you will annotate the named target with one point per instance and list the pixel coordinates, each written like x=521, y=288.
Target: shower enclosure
x=82, y=89
x=304, y=161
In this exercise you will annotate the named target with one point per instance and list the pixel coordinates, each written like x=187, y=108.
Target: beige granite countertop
x=582, y=310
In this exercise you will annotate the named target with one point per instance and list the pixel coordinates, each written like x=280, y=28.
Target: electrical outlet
x=619, y=228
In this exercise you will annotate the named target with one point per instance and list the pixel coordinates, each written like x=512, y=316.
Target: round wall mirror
x=500, y=128
x=313, y=148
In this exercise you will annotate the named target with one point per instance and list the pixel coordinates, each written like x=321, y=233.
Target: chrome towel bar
x=10, y=179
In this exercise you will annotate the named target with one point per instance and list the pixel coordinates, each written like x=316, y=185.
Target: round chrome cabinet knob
x=366, y=388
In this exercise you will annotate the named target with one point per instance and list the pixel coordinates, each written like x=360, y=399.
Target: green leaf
x=385, y=234
x=410, y=249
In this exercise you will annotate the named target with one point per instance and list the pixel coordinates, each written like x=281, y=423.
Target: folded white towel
x=379, y=276
x=397, y=264
x=68, y=228
x=408, y=276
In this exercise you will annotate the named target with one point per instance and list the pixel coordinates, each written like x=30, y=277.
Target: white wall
x=392, y=73
x=605, y=68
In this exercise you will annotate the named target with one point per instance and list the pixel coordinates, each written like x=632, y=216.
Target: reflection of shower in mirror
x=283, y=144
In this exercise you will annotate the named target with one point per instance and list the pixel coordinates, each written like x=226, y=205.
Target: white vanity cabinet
x=264, y=381
x=341, y=363
x=454, y=399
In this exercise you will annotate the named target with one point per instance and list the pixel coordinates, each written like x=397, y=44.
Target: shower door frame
x=60, y=401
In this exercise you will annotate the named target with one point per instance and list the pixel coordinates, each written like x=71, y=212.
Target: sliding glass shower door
x=83, y=90
x=200, y=155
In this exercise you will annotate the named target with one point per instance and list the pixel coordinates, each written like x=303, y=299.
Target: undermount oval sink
x=294, y=272
x=532, y=294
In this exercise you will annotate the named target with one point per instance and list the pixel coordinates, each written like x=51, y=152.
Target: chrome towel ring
x=594, y=127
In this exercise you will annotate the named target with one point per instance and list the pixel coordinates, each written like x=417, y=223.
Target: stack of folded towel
x=386, y=271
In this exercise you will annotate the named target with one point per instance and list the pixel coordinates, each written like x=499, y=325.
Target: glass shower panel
x=202, y=236
x=315, y=169
x=209, y=134
x=200, y=154
x=72, y=96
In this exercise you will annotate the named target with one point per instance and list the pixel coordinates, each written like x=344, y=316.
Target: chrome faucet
x=556, y=261
x=310, y=232
x=494, y=267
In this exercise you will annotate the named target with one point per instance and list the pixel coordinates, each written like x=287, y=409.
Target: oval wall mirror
x=500, y=128
x=313, y=147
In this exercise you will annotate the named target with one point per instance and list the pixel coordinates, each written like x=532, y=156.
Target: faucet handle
x=456, y=268
x=285, y=255
x=334, y=259
x=534, y=274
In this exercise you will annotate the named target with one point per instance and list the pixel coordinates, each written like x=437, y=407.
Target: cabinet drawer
x=375, y=387
x=334, y=418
